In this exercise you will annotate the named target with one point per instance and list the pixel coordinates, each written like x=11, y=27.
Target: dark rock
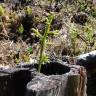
x=88, y=60
x=91, y=91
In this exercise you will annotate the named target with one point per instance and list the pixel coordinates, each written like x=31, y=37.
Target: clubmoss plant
x=43, y=58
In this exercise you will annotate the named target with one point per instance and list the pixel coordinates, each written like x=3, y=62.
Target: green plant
x=1, y=11
x=30, y=50
x=43, y=58
x=1, y=14
x=93, y=11
x=73, y=38
x=21, y=29
x=94, y=14
x=89, y=36
x=28, y=10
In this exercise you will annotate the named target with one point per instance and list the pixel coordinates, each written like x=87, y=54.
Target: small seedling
x=20, y=29
x=43, y=58
x=30, y=50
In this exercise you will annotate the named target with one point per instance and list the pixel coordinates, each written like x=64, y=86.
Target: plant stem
x=43, y=45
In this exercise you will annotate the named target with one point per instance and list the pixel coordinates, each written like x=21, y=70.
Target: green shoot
x=20, y=29
x=30, y=50
x=43, y=58
x=28, y=10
